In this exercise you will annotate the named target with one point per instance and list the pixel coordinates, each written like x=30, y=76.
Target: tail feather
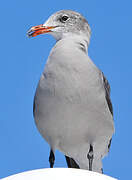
x=71, y=163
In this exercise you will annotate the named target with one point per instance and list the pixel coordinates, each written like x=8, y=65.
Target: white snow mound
x=59, y=174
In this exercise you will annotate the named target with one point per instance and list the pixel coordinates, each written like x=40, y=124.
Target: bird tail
x=71, y=163
x=96, y=167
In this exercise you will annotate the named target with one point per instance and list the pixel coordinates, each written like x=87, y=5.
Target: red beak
x=40, y=29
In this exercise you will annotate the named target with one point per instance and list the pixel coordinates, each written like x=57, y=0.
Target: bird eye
x=64, y=18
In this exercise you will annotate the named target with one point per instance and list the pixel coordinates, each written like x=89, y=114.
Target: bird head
x=62, y=24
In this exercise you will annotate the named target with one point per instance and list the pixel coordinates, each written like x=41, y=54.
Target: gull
x=72, y=107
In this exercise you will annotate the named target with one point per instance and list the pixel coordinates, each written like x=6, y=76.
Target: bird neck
x=80, y=41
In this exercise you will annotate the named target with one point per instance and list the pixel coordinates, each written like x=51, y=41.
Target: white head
x=63, y=24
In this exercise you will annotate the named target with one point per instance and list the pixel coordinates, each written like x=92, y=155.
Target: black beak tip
x=30, y=33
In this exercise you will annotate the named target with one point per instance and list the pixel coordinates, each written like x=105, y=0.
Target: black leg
x=90, y=157
x=102, y=170
x=51, y=158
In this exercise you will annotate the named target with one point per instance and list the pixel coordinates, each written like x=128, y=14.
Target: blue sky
x=22, y=61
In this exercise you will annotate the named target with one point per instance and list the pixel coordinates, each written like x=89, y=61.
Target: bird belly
x=68, y=123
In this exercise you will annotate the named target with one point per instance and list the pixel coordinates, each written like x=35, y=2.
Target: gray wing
x=33, y=106
x=107, y=93
x=107, y=96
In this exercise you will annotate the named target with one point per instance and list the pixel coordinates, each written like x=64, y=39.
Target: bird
x=72, y=106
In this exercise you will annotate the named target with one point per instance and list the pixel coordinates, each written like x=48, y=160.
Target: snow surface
x=58, y=174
